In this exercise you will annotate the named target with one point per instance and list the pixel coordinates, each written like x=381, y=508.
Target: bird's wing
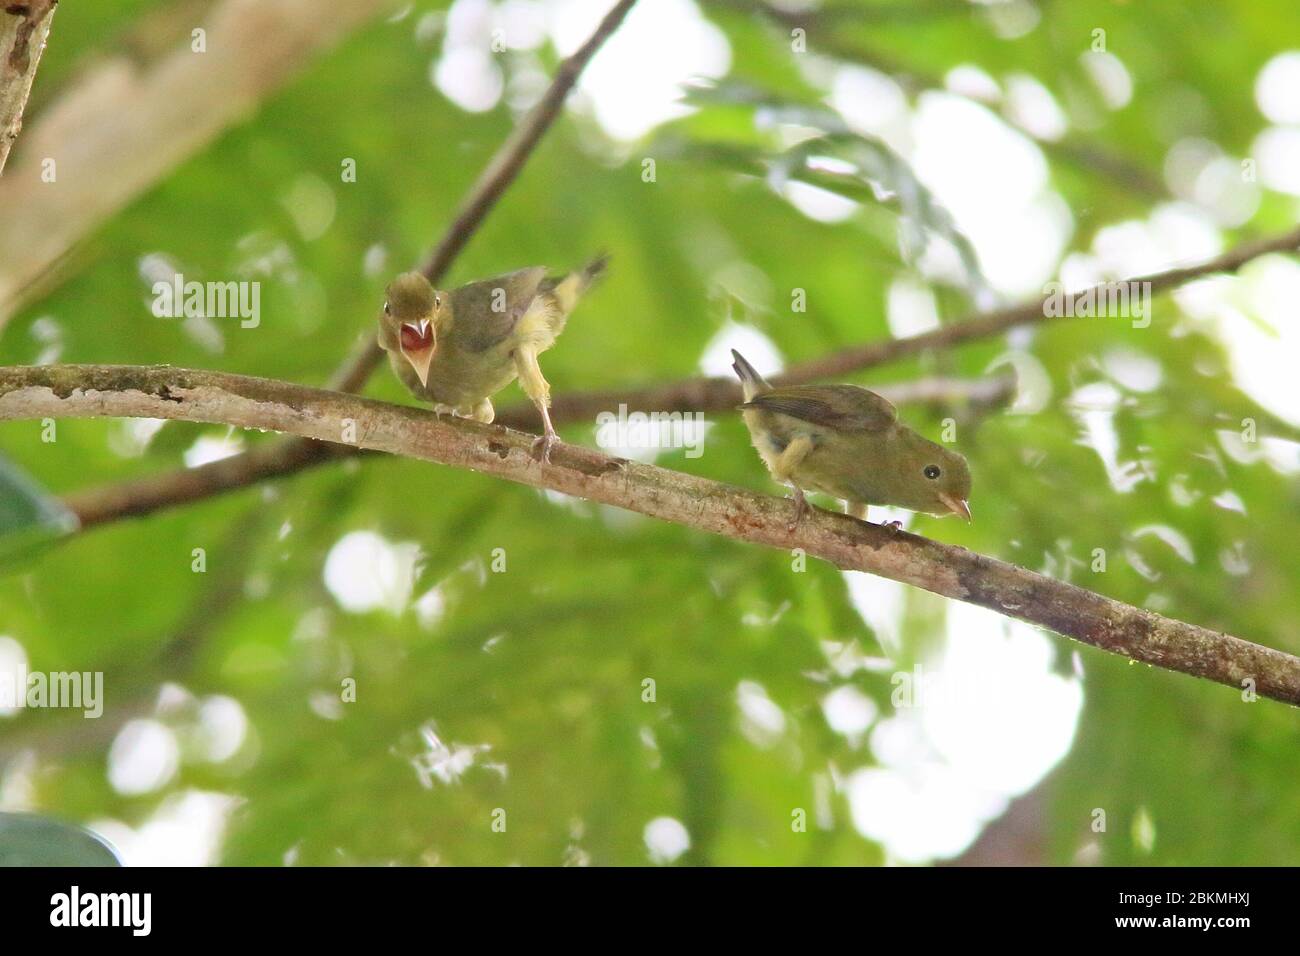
x=484, y=313
x=845, y=407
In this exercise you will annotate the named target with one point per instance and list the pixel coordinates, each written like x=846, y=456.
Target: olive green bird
x=847, y=442
x=458, y=348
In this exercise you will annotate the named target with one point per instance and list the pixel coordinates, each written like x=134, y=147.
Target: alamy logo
x=103, y=909
x=216, y=300
x=1129, y=300
x=82, y=690
x=653, y=431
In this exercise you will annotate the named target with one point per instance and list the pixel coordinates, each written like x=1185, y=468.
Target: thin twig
x=74, y=391
x=1030, y=313
x=723, y=395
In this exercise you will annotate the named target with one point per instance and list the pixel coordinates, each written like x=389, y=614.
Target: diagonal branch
x=1032, y=313
x=24, y=27
x=163, y=392
x=142, y=496
x=723, y=395
x=716, y=394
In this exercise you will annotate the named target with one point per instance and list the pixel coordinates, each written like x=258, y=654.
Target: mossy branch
x=75, y=391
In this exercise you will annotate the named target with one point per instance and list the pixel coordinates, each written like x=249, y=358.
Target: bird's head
x=409, y=324
x=933, y=479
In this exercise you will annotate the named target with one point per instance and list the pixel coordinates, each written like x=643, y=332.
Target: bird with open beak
x=458, y=348
x=847, y=442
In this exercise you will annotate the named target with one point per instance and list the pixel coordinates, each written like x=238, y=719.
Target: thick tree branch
x=164, y=392
x=24, y=27
x=142, y=496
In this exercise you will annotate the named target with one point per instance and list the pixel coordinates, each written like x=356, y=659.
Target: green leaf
x=29, y=516
x=867, y=169
x=27, y=839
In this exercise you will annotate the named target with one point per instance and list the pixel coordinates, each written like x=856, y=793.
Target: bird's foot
x=801, y=509
x=542, y=447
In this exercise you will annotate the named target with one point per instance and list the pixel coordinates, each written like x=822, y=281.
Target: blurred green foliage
x=543, y=665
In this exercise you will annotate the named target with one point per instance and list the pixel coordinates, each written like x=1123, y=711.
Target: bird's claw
x=801, y=510
x=542, y=447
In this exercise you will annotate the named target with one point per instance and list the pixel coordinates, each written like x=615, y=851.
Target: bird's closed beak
x=956, y=505
x=417, y=341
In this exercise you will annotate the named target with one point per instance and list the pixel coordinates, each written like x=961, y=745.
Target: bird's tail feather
x=750, y=381
x=569, y=288
x=594, y=269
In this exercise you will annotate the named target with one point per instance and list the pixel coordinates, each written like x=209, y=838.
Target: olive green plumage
x=458, y=348
x=847, y=442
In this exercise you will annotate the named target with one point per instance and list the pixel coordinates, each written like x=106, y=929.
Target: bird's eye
x=437, y=302
x=387, y=310
x=932, y=471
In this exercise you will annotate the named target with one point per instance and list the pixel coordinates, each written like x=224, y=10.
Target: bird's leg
x=483, y=412
x=536, y=387
x=542, y=446
x=801, y=507
x=783, y=471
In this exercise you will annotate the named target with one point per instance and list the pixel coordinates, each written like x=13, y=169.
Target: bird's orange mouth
x=957, y=506
x=418, y=344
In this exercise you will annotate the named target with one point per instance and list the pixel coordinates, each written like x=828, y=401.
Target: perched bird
x=847, y=442
x=458, y=348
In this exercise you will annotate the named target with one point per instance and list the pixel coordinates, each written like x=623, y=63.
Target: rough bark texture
x=142, y=496
x=163, y=392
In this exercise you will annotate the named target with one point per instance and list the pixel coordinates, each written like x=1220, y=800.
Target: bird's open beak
x=956, y=505
x=421, y=357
